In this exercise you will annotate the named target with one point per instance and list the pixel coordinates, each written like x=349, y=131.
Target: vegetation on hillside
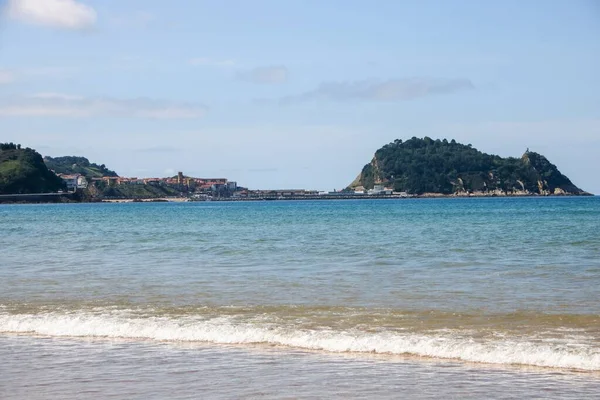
x=77, y=165
x=420, y=166
x=101, y=190
x=23, y=171
x=98, y=189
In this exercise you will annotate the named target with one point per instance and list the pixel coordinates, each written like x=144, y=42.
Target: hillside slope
x=23, y=171
x=77, y=165
x=102, y=191
x=419, y=166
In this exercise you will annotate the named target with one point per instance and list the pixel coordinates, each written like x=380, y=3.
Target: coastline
x=66, y=199
x=390, y=197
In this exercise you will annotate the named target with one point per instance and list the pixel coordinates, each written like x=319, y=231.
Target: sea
x=487, y=298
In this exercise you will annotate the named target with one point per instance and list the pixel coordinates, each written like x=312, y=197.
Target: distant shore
x=371, y=197
x=152, y=200
x=332, y=197
x=69, y=198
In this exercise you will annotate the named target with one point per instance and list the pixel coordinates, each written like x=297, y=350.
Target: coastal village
x=199, y=189
x=27, y=177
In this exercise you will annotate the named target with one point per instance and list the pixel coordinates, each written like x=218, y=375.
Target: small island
x=433, y=168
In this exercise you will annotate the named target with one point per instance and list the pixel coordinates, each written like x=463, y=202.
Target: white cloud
x=390, y=90
x=205, y=61
x=65, y=14
x=6, y=77
x=65, y=105
x=265, y=75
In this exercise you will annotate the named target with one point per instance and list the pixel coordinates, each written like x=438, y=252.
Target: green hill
x=23, y=171
x=100, y=190
x=419, y=166
x=77, y=165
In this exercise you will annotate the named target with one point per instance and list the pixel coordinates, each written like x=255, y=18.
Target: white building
x=75, y=181
x=82, y=183
x=379, y=190
x=69, y=180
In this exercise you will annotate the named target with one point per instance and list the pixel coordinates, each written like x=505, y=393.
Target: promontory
x=441, y=167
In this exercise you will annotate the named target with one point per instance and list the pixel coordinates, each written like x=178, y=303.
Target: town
x=185, y=188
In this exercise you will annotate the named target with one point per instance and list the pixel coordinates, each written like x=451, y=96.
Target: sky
x=298, y=94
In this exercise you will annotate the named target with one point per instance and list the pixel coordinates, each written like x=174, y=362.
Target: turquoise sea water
x=371, y=296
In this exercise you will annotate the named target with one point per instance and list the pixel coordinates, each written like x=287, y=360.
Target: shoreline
x=17, y=199
x=372, y=197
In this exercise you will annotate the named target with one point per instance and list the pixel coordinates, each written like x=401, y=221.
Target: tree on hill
x=78, y=165
x=23, y=171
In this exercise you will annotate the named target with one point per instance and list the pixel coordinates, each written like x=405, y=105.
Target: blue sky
x=298, y=94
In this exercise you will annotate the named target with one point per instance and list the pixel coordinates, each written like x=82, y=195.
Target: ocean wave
x=447, y=344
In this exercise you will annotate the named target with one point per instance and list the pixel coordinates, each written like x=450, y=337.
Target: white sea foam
x=225, y=330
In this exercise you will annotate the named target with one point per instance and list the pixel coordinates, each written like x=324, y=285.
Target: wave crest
x=450, y=344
